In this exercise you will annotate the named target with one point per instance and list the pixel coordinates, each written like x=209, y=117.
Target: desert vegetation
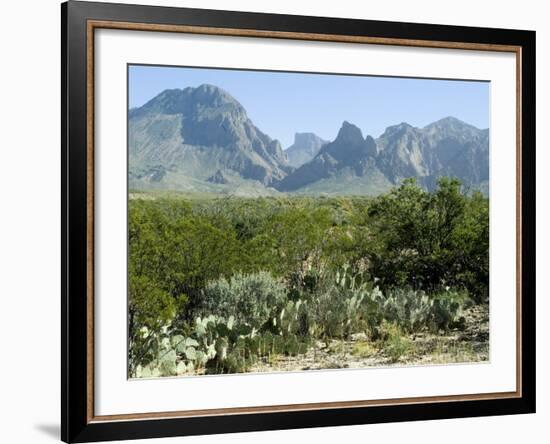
x=229, y=284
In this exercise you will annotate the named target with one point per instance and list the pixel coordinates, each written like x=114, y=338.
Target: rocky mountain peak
x=305, y=138
x=349, y=134
x=350, y=146
x=168, y=101
x=448, y=121
x=398, y=130
x=304, y=148
x=200, y=130
x=371, y=147
x=452, y=127
x=214, y=96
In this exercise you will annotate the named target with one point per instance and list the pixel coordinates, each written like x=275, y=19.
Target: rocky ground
x=470, y=344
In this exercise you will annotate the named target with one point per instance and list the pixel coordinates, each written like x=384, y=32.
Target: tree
x=430, y=240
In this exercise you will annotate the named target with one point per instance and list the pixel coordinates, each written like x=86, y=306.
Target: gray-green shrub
x=410, y=309
x=252, y=299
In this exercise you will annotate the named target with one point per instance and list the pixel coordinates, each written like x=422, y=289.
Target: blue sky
x=281, y=104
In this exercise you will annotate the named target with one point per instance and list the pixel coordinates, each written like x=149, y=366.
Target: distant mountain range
x=201, y=139
x=304, y=148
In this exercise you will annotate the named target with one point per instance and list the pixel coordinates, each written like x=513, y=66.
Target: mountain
x=185, y=136
x=448, y=147
x=202, y=140
x=304, y=148
x=349, y=154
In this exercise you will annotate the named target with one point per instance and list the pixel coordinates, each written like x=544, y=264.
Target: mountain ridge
x=199, y=131
x=205, y=134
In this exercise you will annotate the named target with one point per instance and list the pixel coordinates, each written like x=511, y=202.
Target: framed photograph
x=275, y=221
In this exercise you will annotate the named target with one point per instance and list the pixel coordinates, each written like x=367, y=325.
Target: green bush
x=428, y=240
x=151, y=311
x=176, y=250
x=252, y=299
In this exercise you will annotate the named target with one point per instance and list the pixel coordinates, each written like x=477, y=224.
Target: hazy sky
x=281, y=104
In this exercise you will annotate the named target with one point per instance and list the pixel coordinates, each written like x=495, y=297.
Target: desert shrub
x=393, y=341
x=293, y=236
x=294, y=319
x=150, y=306
x=326, y=305
x=448, y=307
x=151, y=311
x=206, y=343
x=429, y=240
x=290, y=344
x=177, y=250
x=161, y=354
x=471, y=243
x=335, y=309
x=412, y=310
x=242, y=354
x=215, y=345
x=252, y=299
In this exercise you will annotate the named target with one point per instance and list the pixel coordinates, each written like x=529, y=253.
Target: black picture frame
x=76, y=423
